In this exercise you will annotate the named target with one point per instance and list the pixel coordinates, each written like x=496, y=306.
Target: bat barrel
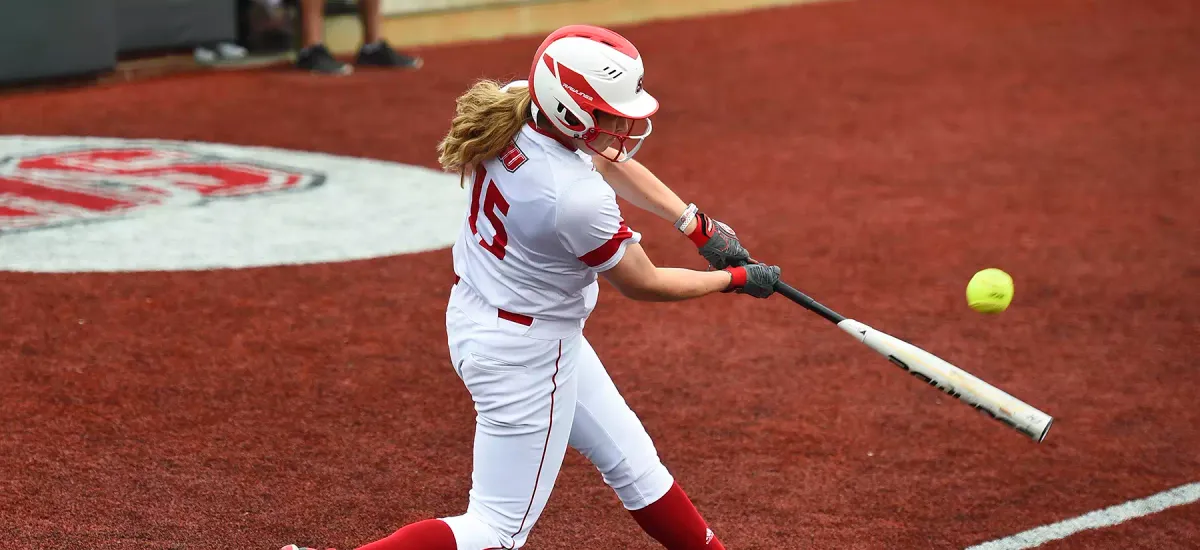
x=935, y=371
x=954, y=381
x=1046, y=430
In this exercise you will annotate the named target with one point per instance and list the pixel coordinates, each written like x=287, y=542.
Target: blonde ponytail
x=485, y=120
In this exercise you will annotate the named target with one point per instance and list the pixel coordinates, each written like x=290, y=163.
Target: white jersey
x=542, y=224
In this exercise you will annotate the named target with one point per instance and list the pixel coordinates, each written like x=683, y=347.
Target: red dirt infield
x=880, y=152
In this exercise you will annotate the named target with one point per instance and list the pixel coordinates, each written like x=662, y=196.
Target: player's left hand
x=757, y=280
x=719, y=243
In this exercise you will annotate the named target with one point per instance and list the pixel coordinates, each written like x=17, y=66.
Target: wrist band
x=737, y=277
x=686, y=218
x=702, y=233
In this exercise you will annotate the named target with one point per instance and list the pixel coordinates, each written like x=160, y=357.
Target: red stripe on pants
x=545, y=446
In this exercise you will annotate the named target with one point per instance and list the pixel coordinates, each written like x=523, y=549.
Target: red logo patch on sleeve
x=512, y=157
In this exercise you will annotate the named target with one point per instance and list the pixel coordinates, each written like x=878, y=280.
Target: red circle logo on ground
x=97, y=184
x=99, y=204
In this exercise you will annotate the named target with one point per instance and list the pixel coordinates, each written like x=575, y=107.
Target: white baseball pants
x=538, y=387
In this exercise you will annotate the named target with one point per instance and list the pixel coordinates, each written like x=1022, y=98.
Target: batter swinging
x=546, y=160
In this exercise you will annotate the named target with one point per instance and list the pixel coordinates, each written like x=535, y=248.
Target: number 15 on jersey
x=494, y=206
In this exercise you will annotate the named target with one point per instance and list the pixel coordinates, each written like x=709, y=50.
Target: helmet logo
x=639, y=85
x=577, y=92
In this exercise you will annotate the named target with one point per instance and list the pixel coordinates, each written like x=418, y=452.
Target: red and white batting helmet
x=581, y=69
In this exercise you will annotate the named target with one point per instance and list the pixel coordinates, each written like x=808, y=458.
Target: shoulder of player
x=551, y=163
x=539, y=145
x=531, y=160
x=580, y=199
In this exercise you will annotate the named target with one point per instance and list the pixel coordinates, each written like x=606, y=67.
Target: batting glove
x=757, y=280
x=718, y=243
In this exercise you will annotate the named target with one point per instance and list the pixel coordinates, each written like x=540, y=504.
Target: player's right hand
x=718, y=243
x=757, y=280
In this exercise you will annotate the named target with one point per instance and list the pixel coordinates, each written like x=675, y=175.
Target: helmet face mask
x=616, y=144
x=581, y=71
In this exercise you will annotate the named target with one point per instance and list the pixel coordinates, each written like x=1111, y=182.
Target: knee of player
x=631, y=467
x=638, y=488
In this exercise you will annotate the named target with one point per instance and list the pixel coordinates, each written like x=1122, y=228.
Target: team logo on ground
x=96, y=184
x=71, y=204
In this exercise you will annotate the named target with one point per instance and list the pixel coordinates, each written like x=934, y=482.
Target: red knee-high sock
x=675, y=523
x=431, y=534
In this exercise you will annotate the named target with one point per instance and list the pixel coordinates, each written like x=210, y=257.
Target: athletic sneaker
x=208, y=54
x=381, y=54
x=317, y=59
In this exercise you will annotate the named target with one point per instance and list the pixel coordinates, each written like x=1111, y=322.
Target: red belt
x=508, y=315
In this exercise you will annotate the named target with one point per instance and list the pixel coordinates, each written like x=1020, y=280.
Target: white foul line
x=1184, y=494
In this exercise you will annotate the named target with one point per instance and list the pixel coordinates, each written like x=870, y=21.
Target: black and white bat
x=935, y=371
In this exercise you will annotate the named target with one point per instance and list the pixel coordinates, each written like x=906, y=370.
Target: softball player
x=546, y=160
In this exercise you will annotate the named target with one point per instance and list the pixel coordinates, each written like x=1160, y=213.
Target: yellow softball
x=990, y=291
